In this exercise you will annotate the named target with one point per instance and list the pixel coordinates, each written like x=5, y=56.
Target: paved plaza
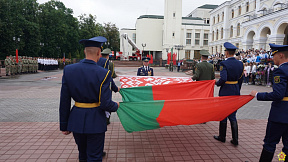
x=29, y=129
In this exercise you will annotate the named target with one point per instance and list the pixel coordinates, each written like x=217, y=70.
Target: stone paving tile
x=42, y=141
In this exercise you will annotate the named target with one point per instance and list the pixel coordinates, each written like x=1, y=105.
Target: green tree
x=59, y=29
x=112, y=35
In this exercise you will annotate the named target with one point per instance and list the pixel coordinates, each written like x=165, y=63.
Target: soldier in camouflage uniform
x=36, y=65
x=12, y=69
x=7, y=65
x=20, y=65
x=25, y=65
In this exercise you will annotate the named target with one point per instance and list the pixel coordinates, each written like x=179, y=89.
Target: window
x=247, y=6
x=197, y=38
x=222, y=16
x=213, y=36
x=174, y=14
x=208, y=21
x=238, y=29
x=218, y=18
x=187, y=54
x=134, y=37
x=222, y=33
x=173, y=34
x=205, y=40
x=231, y=31
x=232, y=13
x=205, y=36
x=239, y=10
x=213, y=20
x=188, y=38
x=217, y=34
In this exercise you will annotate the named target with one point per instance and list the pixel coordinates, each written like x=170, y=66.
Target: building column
x=261, y=43
x=277, y=38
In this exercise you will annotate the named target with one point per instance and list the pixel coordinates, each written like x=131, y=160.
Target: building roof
x=192, y=18
x=195, y=24
x=127, y=29
x=208, y=6
x=162, y=17
x=151, y=17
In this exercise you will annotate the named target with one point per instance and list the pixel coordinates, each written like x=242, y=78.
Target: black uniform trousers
x=274, y=132
x=90, y=146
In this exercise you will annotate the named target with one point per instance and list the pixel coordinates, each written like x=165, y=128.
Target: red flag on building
x=17, y=55
x=168, y=58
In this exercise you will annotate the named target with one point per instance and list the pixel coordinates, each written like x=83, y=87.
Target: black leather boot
x=222, y=132
x=234, y=130
x=266, y=156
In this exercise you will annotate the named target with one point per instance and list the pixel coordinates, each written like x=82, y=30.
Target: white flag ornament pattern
x=137, y=81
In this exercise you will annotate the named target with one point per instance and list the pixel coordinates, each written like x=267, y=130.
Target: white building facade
x=159, y=34
x=248, y=24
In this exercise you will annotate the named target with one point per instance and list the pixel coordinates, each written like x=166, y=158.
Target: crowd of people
x=26, y=64
x=258, y=68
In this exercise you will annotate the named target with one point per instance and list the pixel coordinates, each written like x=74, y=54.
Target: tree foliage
x=51, y=24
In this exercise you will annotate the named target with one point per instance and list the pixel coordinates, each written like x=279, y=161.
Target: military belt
x=285, y=99
x=231, y=82
x=86, y=105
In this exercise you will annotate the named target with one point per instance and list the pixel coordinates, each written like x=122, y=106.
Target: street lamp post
x=179, y=47
x=143, y=45
x=16, y=40
x=42, y=44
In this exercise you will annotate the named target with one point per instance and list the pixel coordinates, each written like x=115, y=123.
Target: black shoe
x=234, y=130
x=266, y=156
x=234, y=142
x=103, y=154
x=222, y=132
x=221, y=139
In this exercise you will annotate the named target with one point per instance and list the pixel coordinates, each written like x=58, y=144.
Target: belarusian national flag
x=189, y=90
x=152, y=107
x=145, y=115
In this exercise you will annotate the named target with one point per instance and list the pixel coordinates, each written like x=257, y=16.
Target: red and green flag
x=152, y=107
x=189, y=90
x=146, y=115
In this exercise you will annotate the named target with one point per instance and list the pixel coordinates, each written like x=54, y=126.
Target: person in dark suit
x=204, y=70
x=89, y=86
x=231, y=78
x=277, y=125
x=107, y=65
x=104, y=62
x=145, y=70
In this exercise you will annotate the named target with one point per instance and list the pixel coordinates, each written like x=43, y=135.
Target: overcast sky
x=124, y=13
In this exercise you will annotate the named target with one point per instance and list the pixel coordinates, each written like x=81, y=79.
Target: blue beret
x=145, y=59
x=93, y=42
x=230, y=46
x=277, y=48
